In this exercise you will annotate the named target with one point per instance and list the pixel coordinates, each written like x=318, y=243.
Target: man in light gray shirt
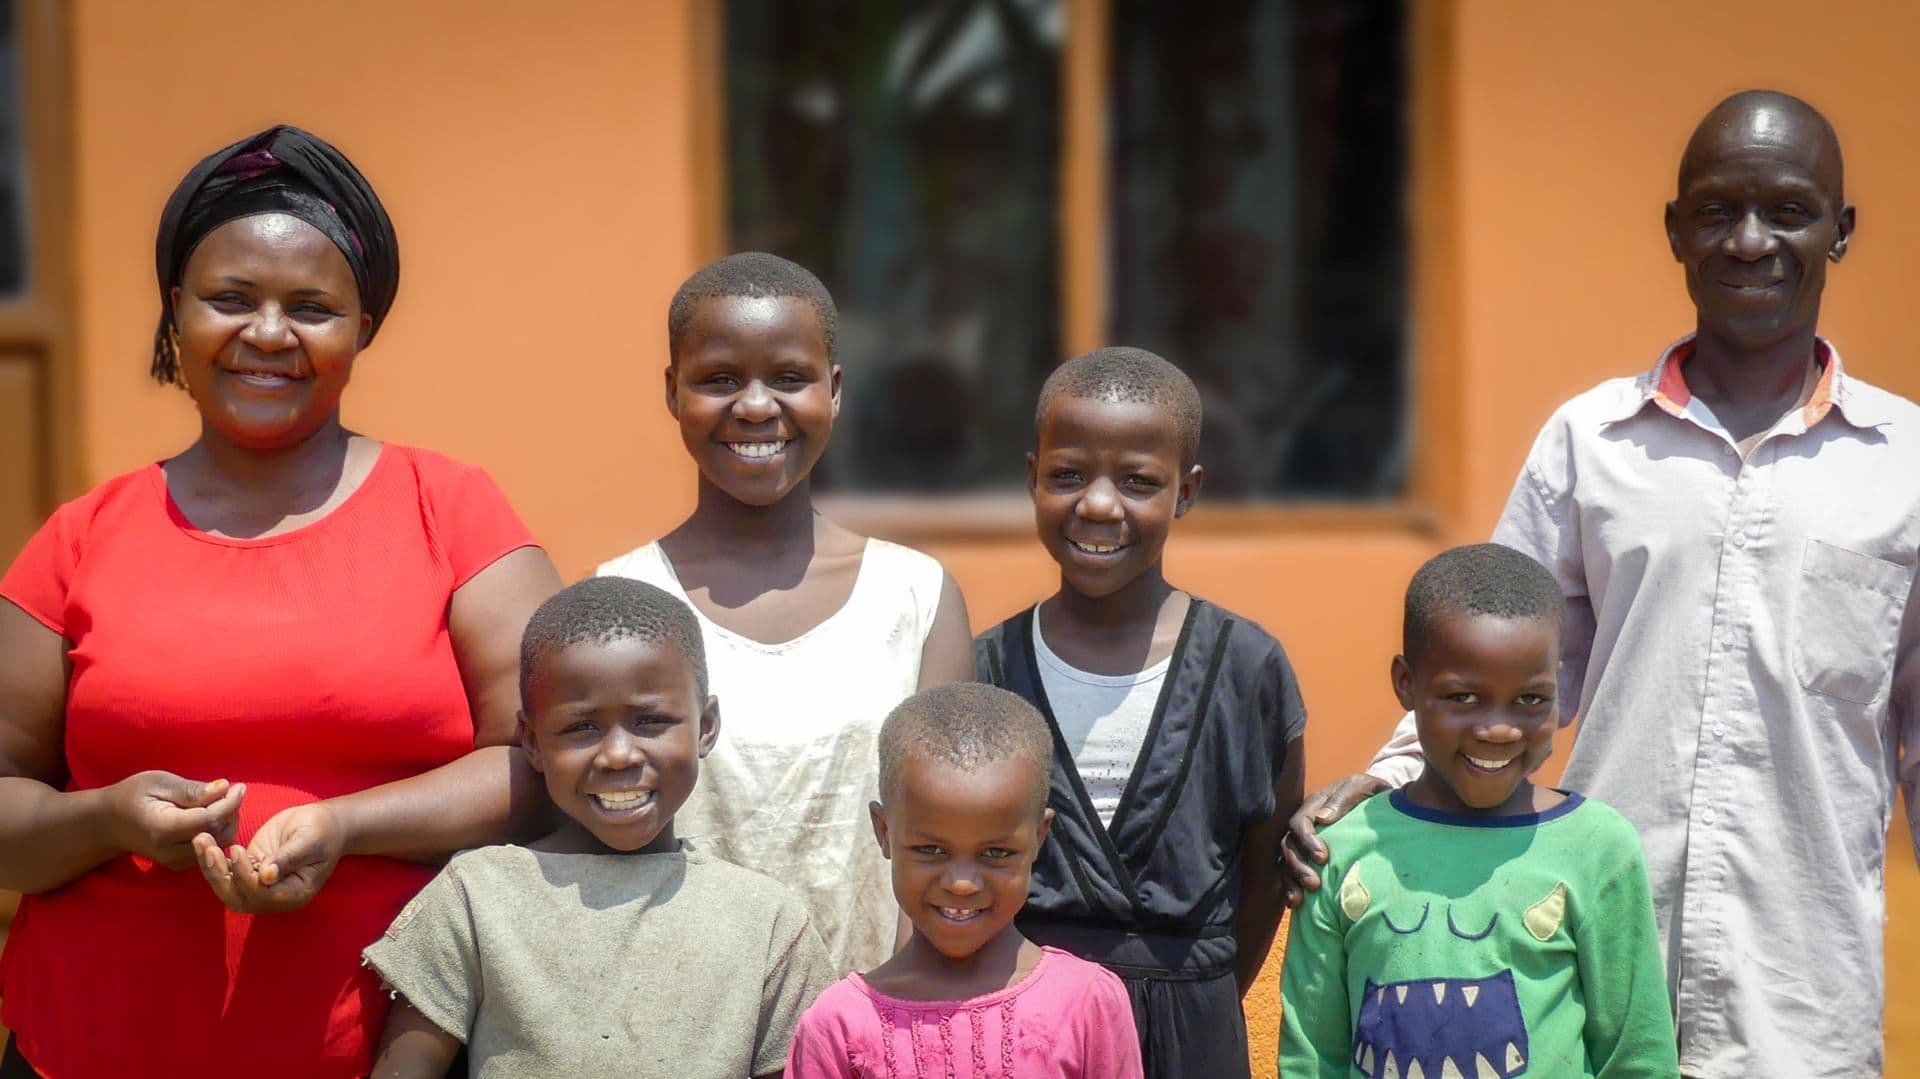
x=1736, y=533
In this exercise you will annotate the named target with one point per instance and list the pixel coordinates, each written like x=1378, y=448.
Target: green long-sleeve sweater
x=1447, y=946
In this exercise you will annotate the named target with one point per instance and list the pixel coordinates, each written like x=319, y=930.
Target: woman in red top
x=241, y=687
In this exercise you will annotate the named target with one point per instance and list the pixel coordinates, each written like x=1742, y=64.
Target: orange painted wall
x=536, y=158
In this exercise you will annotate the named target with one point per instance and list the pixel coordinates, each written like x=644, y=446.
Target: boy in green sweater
x=1471, y=924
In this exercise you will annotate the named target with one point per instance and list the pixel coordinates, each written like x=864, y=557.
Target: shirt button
x=1706, y=815
x=1739, y=539
x=1719, y=730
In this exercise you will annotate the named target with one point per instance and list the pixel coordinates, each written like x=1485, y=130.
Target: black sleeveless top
x=1154, y=894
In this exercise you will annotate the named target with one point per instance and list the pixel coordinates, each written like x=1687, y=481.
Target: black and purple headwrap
x=280, y=170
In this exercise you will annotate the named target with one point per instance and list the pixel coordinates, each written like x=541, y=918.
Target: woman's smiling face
x=270, y=321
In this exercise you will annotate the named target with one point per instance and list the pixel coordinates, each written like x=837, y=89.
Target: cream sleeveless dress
x=786, y=788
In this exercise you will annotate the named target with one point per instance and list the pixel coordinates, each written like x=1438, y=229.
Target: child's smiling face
x=1482, y=692
x=961, y=843
x=617, y=728
x=1107, y=481
x=755, y=394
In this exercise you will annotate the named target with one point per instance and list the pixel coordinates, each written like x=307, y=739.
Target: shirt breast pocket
x=1847, y=609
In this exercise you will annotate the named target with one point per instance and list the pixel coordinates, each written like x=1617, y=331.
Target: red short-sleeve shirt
x=306, y=665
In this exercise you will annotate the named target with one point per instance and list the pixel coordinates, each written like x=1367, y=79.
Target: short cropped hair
x=754, y=274
x=599, y=610
x=1128, y=374
x=1479, y=579
x=969, y=726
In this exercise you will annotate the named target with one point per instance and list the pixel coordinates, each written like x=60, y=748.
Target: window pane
x=13, y=162
x=1258, y=231
x=907, y=153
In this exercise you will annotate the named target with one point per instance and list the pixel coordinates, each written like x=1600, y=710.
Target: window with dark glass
x=1258, y=236
x=907, y=154
x=13, y=163
x=910, y=153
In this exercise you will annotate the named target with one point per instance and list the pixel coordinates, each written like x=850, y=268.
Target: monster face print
x=1444, y=1028
x=1482, y=946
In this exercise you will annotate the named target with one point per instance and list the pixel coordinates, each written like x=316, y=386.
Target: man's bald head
x=1759, y=215
x=1766, y=121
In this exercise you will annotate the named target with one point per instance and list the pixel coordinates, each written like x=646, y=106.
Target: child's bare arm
x=1262, y=877
x=412, y=1047
x=947, y=657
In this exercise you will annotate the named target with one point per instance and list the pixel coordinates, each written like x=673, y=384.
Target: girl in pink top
x=963, y=783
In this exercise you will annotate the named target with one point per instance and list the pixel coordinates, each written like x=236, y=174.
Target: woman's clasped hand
x=290, y=858
x=166, y=818
x=182, y=823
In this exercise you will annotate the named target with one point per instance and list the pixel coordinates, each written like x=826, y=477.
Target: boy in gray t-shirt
x=607, y=948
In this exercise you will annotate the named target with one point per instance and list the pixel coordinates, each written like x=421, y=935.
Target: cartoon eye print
x=1542, y=918
x=1463, y=934
x=1425, y=909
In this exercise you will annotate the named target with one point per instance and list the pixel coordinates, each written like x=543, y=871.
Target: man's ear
x=1046, y=823
x=833, y=381
x=1189, y=490
x=673, y=393
x=1672, y=220
x=1033, y=474
x=709, y=725
x=527, y=742
x=879, y=819
x=1842, y=232
x=1403, y=682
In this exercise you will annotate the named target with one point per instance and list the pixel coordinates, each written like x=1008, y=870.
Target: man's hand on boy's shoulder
x=1302, y=850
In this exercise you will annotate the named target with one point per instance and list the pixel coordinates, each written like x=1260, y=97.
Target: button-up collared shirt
x=1742, y=635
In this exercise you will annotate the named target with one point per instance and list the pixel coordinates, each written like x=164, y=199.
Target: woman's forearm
x=491, y=795
x=48, y=837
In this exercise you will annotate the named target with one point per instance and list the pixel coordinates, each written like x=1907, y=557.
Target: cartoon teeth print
x=1441, y=1028
x=1444, y=1028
